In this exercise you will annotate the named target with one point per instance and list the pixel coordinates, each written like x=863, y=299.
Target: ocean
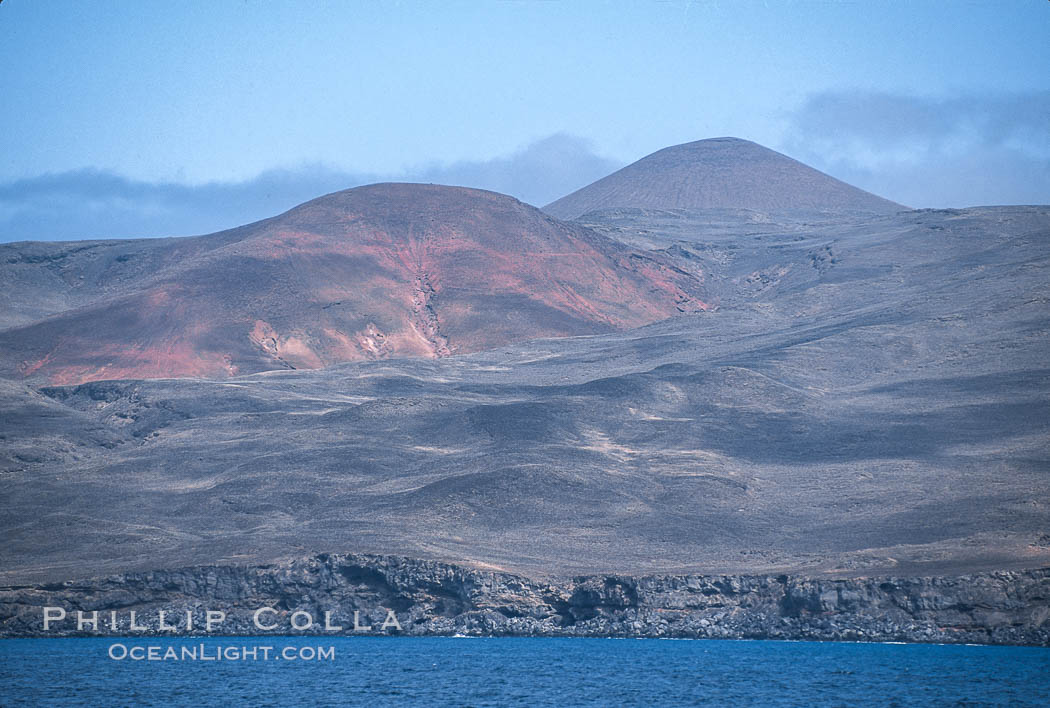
x=434, y=671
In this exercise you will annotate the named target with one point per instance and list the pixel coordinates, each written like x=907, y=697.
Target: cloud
x=539, y=174
x=930, y=152
x=98, y=204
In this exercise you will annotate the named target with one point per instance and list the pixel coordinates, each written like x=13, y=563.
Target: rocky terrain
x=431, y=598
x=824, y=394
x=870, y=397
x=718, y=173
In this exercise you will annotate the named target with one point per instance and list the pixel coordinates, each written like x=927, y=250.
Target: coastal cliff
x=434, y=598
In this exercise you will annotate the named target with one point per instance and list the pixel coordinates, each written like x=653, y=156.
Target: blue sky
x=150, y=118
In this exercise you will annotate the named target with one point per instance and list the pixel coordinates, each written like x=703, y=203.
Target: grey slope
x=719, y=173
x=871, y=397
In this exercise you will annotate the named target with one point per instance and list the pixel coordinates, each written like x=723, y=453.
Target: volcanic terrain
x=719, y=173
x=871, y=394
x=389, y=270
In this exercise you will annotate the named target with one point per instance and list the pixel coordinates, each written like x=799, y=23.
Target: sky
x=149, y=118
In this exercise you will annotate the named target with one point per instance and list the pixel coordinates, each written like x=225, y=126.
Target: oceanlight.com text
x=201, y=652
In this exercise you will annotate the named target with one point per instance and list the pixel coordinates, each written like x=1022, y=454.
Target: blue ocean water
x=516, y=672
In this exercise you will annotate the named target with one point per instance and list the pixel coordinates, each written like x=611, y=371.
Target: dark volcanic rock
x=430, y=598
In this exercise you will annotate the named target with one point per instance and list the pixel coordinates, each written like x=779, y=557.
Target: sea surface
x=515, y=672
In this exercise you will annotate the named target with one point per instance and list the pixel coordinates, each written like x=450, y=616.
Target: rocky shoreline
x=360, y=594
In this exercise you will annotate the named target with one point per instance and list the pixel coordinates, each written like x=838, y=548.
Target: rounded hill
x=387, y=270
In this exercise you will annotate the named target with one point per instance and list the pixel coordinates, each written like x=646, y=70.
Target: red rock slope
x=388, y=270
